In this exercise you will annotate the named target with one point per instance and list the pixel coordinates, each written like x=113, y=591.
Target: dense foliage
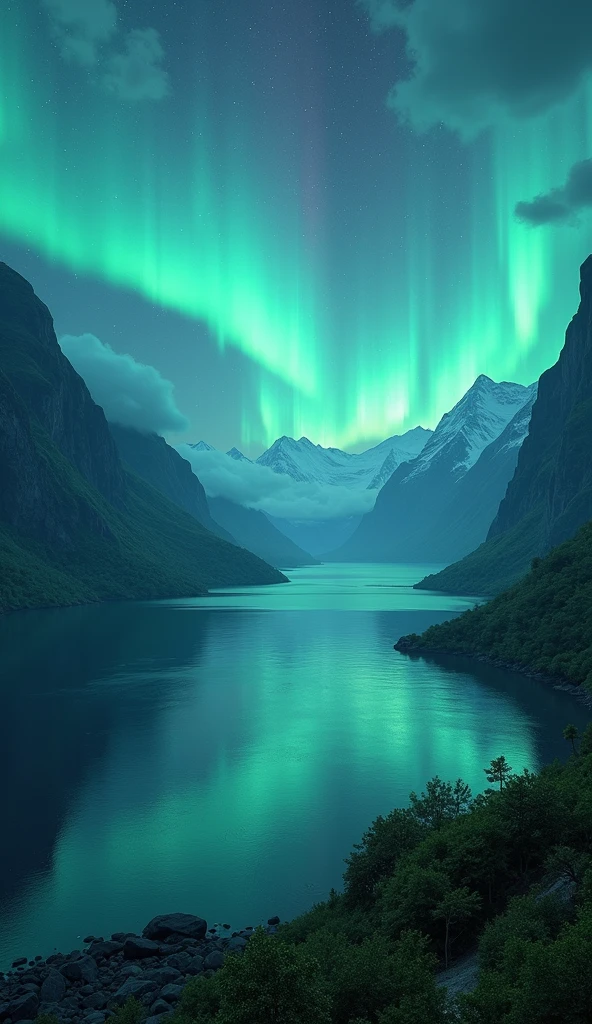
x=543, y=623
x=510, y=869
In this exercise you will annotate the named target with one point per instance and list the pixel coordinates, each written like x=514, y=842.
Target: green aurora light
x=357, y=323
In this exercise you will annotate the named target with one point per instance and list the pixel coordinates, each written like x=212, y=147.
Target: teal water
x=221, y=755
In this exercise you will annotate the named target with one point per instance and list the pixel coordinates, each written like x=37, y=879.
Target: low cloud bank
x=131, y=393
x=277, y=493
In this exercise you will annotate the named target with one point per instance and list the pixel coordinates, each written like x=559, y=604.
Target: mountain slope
x=253, y=530
x=158, y=464
x=74, y=526
x=541, y=624
x=550, y=494
x=307, y=462
x=408, y=522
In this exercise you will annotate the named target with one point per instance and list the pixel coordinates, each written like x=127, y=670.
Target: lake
x=220, y=756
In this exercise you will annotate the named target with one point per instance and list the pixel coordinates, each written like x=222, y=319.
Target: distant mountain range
x=550, y=494
x=307, y=462
x=439, y=506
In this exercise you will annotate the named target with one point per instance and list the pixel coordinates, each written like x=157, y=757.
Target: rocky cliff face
x=554, y=470
x=50, y=388
x=550, y=494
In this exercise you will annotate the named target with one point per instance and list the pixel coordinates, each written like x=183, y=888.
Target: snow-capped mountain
x=474, y=422
x=410, y=519
x=238, y=456
x=311, y=463
x=201, y=446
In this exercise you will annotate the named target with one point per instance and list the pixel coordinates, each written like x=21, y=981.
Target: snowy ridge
x=476, y=420
x=306, y=462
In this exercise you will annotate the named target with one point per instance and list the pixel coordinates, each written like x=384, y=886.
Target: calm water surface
x=220, y=756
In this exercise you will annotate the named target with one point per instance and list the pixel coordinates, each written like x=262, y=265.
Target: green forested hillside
x=543, y=623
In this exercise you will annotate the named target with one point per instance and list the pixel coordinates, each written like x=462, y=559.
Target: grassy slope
x=543, y=623
x=152, y=549
x=495, y=565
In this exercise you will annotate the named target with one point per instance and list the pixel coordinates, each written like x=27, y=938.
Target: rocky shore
x=408, y=645
x=89, y=985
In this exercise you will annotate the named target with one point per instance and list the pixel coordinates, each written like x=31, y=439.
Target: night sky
x=303, y=227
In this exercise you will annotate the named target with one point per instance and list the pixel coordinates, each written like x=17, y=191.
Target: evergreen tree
x=498, y=771
x=570, y=733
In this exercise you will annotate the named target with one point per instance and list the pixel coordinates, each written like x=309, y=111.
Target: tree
x=457, y=905
x=570, y=733
x=272, y=982
x=376, y=857
x=586, y=741
x=499, y=771
x=440, y=803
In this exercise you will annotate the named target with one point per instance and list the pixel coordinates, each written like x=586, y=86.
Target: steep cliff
x=550, y=494
x=74, y=526
x=155, y=461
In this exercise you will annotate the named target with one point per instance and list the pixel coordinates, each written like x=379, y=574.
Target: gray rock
x=237, y=943
x=180, y=961
x=128, y=971
x=106, y=949
x=96, y=1001
x=139, y=949
x=94, y=1018
x=196, y=966
x=160, y=1018
x=89, y=938
x=172, y=993
x=162, y=975
x=175, y=924
x=53, y=988
x=159, y=1007
x=19, y=963
x=134, y=987
x=214, y=960
x=274, y=920
x=23, y=1008
x=83, y=969
x=119, y=936
x=87, y=990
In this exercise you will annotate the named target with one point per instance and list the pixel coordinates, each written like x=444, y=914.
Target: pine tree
x=499, y=771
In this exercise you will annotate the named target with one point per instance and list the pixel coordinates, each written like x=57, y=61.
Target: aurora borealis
x=304, y=261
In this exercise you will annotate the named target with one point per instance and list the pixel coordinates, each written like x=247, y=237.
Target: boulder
x=175, y=924
x=83, y=969
x=135, y=987
x=274, y=920
x=172, y=993
x=94, y=1018
x=19, y=963
x=162, y=975
x=24, y=1007
x=237, y=943
x=159, y=1007
x=214, y=960
x=139, y=949
x=96, y=1001
x=106, y=949
x=53, y=988
x=196, y=965
x=160, y=1018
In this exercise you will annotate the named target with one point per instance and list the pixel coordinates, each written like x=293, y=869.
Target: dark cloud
x=560, y=204
x=130, y=393
x=479, y=62
x=137, y=73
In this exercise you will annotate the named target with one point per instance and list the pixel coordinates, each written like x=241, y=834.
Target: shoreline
x=89, y=985
x=557, y=682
